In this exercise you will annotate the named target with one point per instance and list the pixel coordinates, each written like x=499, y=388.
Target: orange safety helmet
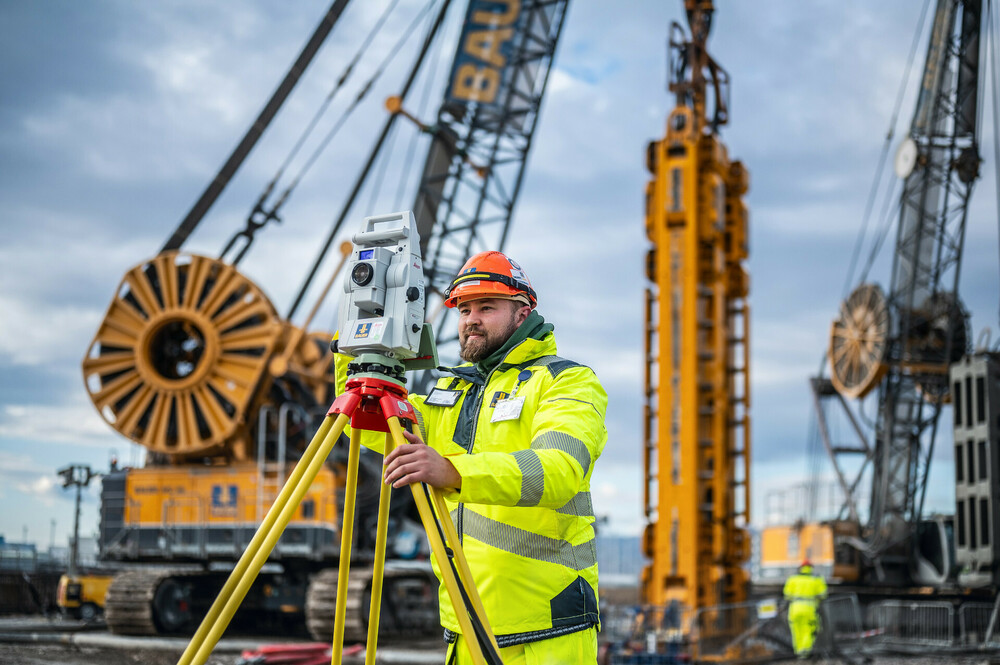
x=490, y=275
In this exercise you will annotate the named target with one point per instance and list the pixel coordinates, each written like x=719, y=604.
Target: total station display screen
x=366, y=254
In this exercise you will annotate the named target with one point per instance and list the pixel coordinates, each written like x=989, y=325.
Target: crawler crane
x=895, y=348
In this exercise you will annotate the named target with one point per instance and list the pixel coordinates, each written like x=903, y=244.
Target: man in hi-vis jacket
x=804, y=591
x=512, y=437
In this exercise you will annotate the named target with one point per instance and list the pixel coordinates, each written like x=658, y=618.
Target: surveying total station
x=381, y=324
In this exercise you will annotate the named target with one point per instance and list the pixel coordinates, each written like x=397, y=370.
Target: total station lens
x=362, y=274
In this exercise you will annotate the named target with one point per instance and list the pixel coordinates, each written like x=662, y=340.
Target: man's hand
x=419, y=463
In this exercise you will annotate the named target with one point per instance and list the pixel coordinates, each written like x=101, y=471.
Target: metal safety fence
x=841, y=627
x=759, y=631
x=974, y=626
x=642, y=634
x=903, y=625
x=746, y=632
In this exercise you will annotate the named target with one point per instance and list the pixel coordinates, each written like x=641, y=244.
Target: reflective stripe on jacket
x=524, y=511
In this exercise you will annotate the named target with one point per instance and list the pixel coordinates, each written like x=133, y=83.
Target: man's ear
x=522, y=313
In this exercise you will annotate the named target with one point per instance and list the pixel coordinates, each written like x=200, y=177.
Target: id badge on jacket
x=507, y=409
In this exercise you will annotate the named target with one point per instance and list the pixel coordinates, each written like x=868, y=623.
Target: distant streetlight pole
x=77, y=475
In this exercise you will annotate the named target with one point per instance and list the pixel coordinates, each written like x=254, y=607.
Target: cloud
x=73, y=422
x=22, y=474
x=37, y=334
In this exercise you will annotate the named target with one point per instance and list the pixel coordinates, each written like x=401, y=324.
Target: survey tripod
x=374, y=401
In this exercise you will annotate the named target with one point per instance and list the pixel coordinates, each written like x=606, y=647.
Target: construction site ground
x=33, y=640
x=45, y=654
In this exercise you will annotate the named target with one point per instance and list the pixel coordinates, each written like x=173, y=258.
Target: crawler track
x=409, y=603
x=149, y=602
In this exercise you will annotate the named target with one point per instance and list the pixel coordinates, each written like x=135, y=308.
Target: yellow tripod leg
x=438, y=549
x=327, y=428
x=346, y=540
x=271, y=537
x=378, y=571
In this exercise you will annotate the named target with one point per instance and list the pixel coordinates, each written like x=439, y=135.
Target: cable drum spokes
x=858, y=342
x=181, y=349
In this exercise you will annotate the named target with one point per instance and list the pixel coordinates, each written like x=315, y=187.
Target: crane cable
x=429, y=81
x=888, y=221
x=373, y=154
x=365, y=89
x=382, y=167
x=993, y=63
x=329, y=98
x=215, y=188
x=259, y=215
x=872, y=195
x=384, y=158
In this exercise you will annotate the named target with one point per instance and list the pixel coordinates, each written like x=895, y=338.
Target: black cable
x=249, y=140
x=482, y=637
x=259, y=216
x=872, y=195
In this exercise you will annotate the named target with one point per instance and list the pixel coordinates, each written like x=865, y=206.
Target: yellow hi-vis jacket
x=524, y=512
x=805, y=588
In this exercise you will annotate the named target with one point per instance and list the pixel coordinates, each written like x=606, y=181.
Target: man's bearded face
x=485, y=325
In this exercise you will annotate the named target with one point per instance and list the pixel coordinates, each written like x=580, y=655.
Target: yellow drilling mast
x=696, y=416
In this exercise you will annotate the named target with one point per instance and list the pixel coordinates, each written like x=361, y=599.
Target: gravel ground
x=61, y=642
x=46, y=654
x=34, y=640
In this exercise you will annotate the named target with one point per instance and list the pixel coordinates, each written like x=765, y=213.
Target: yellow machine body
x=82, y=595
x=239, y=494
x=783, y=548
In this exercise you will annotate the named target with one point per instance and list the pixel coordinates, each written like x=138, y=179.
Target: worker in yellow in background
x=513, y=435
x=804, y=591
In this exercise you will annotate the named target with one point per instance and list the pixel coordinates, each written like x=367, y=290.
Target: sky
x=115, y=115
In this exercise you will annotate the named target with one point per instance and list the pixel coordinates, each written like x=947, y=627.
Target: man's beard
x=481, y=348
